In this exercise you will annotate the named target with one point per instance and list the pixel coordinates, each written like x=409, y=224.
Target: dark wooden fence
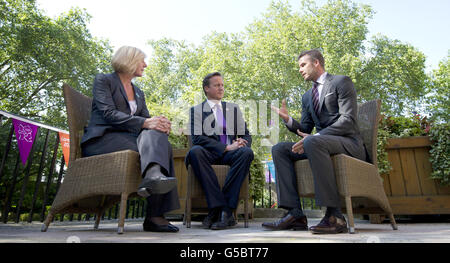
x=27, y=192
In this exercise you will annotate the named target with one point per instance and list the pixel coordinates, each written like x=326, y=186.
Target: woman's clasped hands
x=159, y=123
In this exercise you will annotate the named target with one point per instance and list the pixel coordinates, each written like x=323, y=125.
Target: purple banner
x=25, y=134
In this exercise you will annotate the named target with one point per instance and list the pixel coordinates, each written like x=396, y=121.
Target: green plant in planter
x=402, y=126
x=398, y=127
x=440, y=153
x=383, y=135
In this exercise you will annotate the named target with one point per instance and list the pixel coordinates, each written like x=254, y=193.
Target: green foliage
x=393, y=72
x=382, y=157
x=439, y=90
x=257, y=179
x=401, y=126
x=260, y=63
x=38, y=54
x=440, y=153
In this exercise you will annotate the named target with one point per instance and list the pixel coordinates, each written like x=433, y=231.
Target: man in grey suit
x=331, y=107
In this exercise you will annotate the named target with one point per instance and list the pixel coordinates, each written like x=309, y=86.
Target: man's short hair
x=315, y=55
x=208, y=77
x=126, y=59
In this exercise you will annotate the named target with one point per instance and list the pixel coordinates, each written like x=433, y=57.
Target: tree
x=439, y=90
x=39, y=53
x=260, y=63
x=393, y=72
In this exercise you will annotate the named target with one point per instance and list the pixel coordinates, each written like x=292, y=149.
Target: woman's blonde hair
x=126, y=59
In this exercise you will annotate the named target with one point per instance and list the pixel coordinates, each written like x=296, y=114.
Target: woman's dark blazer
x=111, y=110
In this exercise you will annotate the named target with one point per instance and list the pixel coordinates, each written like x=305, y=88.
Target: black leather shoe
x=288, y=222
x=152, y=227
x=213, y=216
x=225, y=220
x=159, y=184
x=330, y=225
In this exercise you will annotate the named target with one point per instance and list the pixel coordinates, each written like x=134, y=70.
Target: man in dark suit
x=219, y=136
x=331, y=107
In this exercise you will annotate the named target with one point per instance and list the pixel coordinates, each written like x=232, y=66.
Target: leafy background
x=39, y=53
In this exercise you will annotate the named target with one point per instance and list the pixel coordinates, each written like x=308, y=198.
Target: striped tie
x=222, y=123
x=315, y=97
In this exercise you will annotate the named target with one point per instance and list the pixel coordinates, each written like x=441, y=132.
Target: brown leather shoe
x=288, y=222
x=330, y=225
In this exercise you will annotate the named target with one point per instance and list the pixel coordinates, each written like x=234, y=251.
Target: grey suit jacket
x=338, y=109
x=111, y=110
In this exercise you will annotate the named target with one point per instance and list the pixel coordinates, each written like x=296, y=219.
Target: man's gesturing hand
x=283, y=112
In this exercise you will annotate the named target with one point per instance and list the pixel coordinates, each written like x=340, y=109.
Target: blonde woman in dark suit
x=120, y=121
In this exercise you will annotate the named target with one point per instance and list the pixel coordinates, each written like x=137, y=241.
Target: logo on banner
x=25, y=134
x=64, y=138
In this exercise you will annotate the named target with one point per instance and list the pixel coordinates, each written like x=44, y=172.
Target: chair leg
x=246, y=213
x=188, y=209
x=97, y=220
x=351, y=222
x=384, y=203
x=185, y=212
x=123, y=207
x=100, y=213
x=188, y=212
x=393, y=223
x=47, y=222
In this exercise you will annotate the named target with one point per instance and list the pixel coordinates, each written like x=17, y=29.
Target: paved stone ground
x=83, y=231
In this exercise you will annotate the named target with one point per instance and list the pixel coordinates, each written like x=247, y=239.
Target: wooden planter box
x=181, y=174
x=409, y=188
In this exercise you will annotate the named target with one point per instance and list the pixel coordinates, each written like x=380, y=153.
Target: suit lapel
x=325, y=90
x=206, y=110
x=122, y=89
x=138, y=99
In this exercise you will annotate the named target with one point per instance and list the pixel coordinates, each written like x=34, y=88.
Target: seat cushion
x=349, y=171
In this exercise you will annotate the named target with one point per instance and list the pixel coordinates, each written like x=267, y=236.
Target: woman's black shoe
x=152, y=227
x=156, y=185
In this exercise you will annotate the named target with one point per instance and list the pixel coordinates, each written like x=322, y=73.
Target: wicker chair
x=356, y=179
x=93, y=184
x=196, y=195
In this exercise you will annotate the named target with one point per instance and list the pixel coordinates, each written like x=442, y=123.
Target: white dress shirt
x=133, y=106
x=212, y=105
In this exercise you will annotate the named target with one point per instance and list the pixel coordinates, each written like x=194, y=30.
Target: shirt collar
x=321, y=79
x=212, y=103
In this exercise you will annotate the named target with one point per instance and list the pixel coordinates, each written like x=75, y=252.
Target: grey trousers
x=153, y=147
x=318, y=151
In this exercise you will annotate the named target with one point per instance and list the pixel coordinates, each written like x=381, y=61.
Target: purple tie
x=315, y=98
x=222, y=123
